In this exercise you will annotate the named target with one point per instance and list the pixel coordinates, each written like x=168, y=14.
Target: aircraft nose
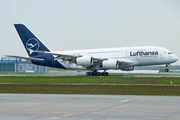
x=175, y=58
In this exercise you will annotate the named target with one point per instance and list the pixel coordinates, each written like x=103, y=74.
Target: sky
x=85, y=24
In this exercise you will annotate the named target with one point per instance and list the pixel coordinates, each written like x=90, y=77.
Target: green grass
x=42, y=85
x=90, y=79
x=90, y=89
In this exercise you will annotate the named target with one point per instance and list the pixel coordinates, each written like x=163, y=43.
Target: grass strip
x=90, y=79
x=90, y=89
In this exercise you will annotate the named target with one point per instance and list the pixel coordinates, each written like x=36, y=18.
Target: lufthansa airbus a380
x=124, y=58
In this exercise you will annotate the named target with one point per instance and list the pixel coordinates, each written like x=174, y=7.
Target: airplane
x=94, y=60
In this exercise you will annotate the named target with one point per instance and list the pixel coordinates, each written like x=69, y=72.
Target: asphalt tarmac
x=88, y=107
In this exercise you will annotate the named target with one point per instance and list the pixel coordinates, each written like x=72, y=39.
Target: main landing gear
x=97, y=73
x=166, y=70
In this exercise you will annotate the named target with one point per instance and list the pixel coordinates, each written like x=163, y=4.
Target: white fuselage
x=134, y=56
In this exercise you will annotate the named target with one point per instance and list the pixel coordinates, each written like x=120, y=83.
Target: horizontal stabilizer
x=26, y=58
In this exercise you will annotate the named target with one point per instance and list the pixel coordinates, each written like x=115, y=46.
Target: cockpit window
x=170, y=52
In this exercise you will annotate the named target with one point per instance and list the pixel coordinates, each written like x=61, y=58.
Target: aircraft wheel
x=102, y=73
x=106, y=73
x=91, y=73
x=87, y=73
x=95, y=73
x=98, y=73
x=166, y=70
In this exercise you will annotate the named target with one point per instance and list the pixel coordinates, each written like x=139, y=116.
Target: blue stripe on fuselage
x=48, y=61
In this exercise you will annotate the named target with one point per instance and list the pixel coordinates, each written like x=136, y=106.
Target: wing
x=26, y=58
x=68, y=57
x=96, y=61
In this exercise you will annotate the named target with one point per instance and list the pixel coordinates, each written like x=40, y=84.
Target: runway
x=88, y=107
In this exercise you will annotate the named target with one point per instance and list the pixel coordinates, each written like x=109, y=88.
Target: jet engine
x=85, y=61
x=127, y=69
x=110, y=64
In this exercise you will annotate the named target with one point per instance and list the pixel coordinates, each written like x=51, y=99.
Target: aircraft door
x=127, y=51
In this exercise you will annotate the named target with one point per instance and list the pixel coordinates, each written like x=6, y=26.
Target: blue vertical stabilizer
x=31, y=44
x=30, y=41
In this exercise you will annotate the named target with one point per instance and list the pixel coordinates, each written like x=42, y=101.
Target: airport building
x=8, y=64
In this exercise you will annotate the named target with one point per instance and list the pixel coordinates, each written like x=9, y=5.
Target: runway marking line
x=65, y=115
x=124, y=100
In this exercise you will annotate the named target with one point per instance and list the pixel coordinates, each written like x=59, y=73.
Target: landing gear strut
x=95, y=73
x=166, y=70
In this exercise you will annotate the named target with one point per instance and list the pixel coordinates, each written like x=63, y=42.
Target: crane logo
x=32, y=45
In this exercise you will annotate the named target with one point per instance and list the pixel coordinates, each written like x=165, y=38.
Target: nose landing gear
x=166, y=70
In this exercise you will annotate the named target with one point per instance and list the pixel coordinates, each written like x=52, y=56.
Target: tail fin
x=30, y=41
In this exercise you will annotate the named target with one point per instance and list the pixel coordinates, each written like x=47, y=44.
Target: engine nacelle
x=85, y=61
x=110, y=64
x=127, y=69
